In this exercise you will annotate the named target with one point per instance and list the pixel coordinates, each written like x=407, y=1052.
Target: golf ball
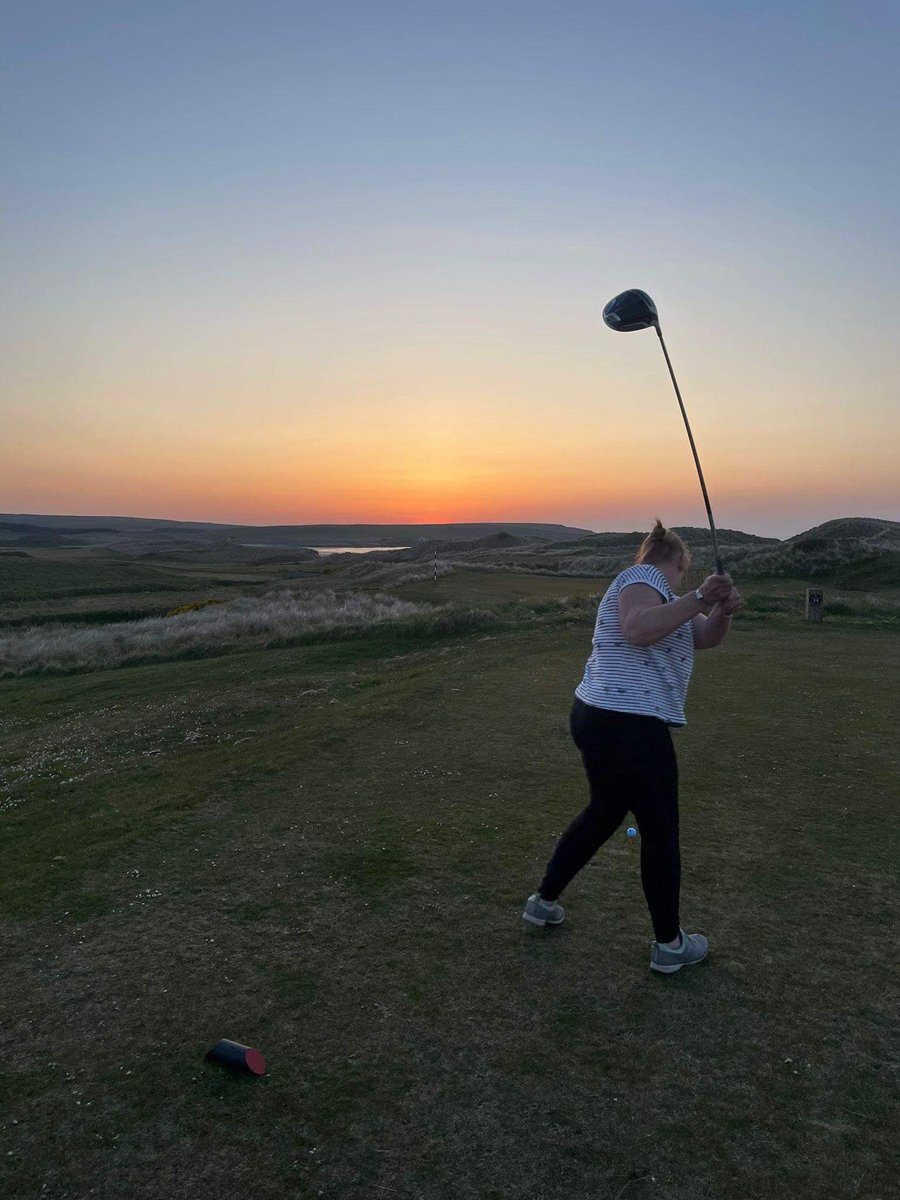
x=631, y=831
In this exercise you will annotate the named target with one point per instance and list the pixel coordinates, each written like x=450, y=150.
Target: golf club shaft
x=712, y=525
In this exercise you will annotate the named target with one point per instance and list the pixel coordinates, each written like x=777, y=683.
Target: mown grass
x=323, y=850
x=34, y=578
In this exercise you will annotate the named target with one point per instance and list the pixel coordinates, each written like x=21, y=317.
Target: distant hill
x=93, y=525
x=221, y=551
x=859, y=529
x=692, y=535
x=371, y=535
x=429, y=547
x=850, y=551
x=26, y=534
x=699, y=535
x=862, y=551
x=149, y=536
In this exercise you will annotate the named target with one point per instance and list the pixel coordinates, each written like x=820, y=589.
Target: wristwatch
x=698, y=595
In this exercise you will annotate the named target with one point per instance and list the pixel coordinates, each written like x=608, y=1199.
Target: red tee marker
x=241, y=1058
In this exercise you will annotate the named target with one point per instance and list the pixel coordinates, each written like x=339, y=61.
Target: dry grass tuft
x=273, y=619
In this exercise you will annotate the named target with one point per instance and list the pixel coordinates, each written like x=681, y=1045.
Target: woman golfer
x=633, y=689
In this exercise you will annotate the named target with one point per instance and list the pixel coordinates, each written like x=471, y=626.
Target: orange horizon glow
x=425, y=435
x=504, y=446
x=452, y=466
x=633, y=506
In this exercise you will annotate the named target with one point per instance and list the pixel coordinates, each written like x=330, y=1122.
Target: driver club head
x=631, y=310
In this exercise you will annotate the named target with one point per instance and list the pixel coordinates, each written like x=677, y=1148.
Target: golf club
x=635, y=310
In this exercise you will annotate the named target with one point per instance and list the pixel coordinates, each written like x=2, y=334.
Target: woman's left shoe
x=543, y=912
x=693, y=949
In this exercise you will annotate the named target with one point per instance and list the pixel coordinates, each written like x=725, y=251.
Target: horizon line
x=406, y=524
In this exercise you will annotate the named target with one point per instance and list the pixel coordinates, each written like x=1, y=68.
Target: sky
x=344, y=261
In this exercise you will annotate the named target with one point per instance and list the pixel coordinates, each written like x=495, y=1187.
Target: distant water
x=322, y=549
x=354, y=549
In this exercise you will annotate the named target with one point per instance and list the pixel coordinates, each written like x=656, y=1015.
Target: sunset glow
x=295, y=265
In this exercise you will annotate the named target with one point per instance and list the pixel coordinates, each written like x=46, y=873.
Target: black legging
x=630, y=764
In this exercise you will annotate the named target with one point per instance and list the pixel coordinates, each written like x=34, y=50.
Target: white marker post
x=815, y=609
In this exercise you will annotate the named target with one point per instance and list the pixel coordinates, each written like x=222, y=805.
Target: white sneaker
x=694, y=948
x=543, y=912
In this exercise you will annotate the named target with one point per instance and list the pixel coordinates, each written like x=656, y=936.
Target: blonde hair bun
x=660, y=545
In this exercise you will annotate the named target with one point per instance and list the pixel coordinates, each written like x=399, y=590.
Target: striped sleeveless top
x=650, y=680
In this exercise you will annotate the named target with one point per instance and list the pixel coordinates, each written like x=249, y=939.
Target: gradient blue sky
x=345, y=261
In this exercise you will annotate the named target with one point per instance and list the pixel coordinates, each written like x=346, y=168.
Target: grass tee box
x=323, y=850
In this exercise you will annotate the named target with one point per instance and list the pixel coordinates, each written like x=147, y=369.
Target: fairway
x=324, y=851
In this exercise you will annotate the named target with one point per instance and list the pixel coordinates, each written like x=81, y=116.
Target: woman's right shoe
x=543, y=912
x=694, y=948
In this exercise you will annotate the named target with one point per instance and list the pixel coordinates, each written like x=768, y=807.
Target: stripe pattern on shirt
x=650, y=680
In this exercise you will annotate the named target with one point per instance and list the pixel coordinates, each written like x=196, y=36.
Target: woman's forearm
x=653, y=624
x=717, y=625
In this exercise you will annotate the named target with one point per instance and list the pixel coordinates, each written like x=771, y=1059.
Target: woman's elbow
x=635, y=637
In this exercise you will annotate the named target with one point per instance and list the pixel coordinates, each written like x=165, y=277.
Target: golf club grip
x=720, y=570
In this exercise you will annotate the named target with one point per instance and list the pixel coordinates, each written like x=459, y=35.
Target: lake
x=354, y=549
x=322, y=549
